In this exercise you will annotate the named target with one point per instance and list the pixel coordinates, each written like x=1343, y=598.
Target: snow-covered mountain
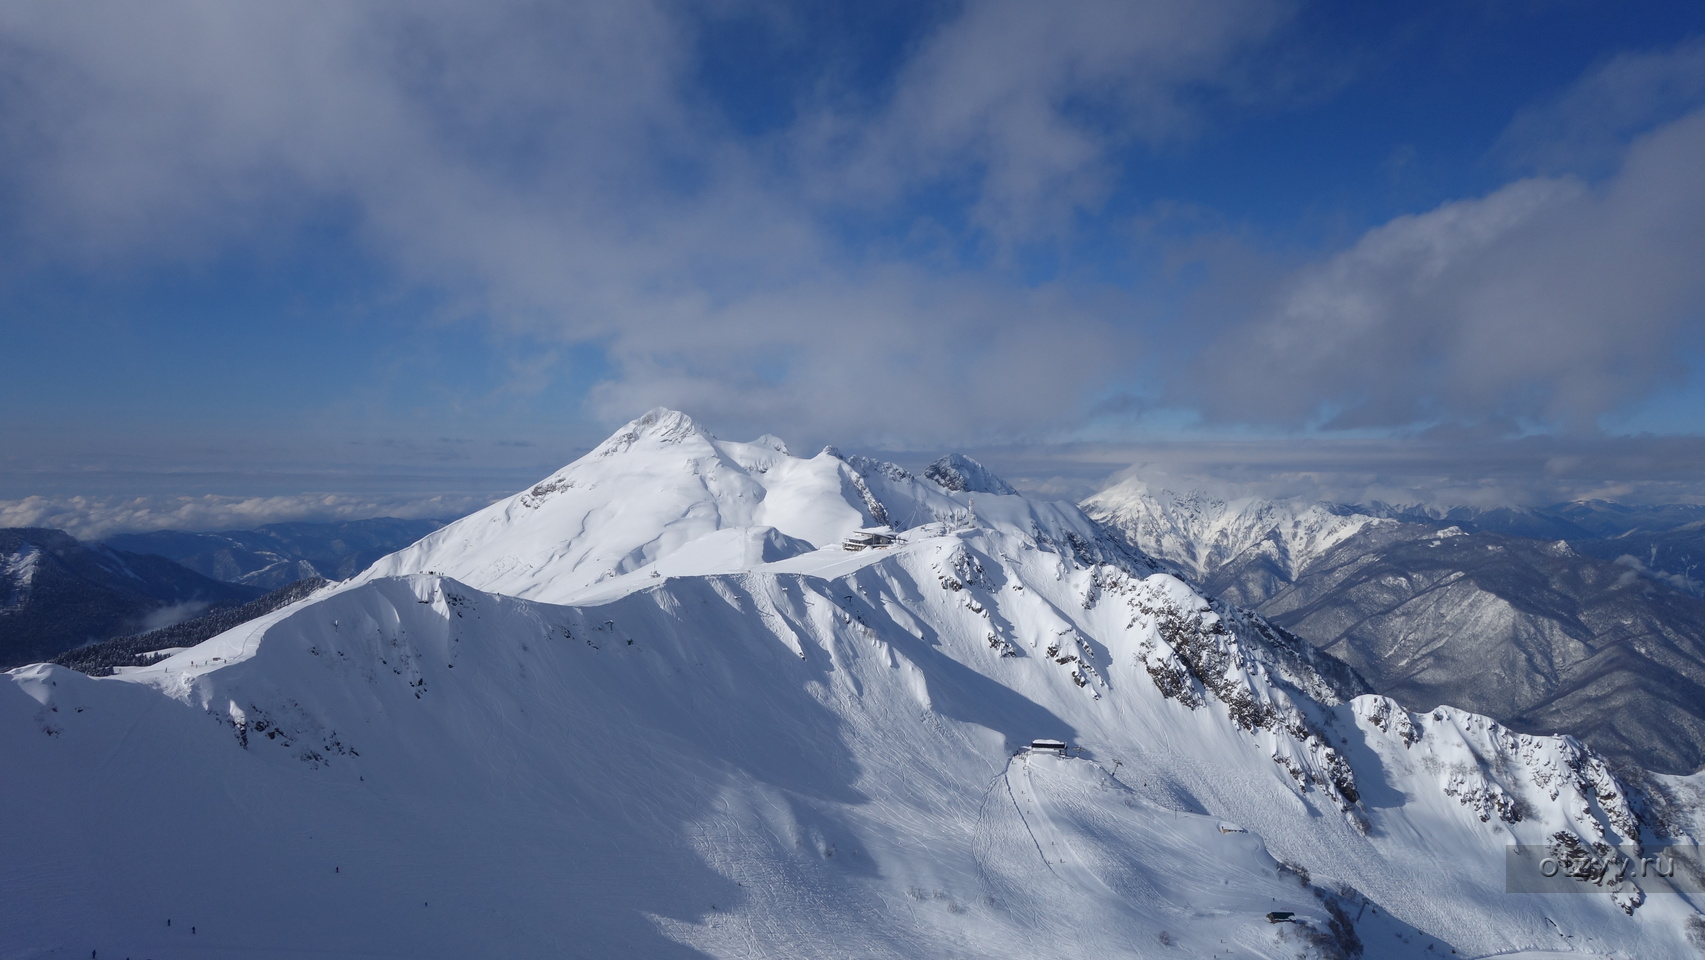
x=1248, y=548
x=1541, y=635
x=1527, y=631
x=655, y=707
x=1664, y=542
x=663, y=498
x=1573, y=520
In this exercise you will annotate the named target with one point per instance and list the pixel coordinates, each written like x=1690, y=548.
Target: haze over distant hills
x=1665, y=541
x=278, y=554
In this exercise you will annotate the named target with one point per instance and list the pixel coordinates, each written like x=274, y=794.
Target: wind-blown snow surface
x=775, y=747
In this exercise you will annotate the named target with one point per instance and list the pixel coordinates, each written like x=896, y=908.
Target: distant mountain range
x=278, y=554
x=1579, y=617
x=1540, y=618
x=1242, y=550
x=57, y=593
x=1666, y=542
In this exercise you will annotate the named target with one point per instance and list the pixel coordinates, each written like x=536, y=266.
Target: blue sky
x=400, y=251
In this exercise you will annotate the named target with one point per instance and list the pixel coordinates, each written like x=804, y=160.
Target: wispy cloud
x=1038, y=105
x=1447, y=468
x=1586, y=127
x=1551, y=301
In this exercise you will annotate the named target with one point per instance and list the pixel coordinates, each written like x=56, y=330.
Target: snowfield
x=652, y=707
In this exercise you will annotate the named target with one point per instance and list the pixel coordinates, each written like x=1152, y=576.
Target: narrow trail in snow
x=1024, y=820
x=984, y=841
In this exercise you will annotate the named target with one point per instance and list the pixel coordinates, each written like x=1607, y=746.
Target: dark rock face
x=960, y=473
x=281, y=553
x=57, y=593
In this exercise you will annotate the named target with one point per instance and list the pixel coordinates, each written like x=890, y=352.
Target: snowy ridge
x=663, y=497
x=814, y=754
x=1200, y=534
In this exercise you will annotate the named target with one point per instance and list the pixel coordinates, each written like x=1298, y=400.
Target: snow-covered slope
x=794, y=750
x=1259, y=544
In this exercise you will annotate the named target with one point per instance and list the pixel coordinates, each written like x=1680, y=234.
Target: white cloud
x=1040, y=98
x=1551, y=300
x=1586, y=127
x=948, y=359
x=1446, y=468
x=550, y=167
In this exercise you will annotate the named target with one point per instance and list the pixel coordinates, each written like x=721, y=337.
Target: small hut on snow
x=871, y=539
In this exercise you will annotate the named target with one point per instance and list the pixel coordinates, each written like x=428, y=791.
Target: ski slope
x=651, y=707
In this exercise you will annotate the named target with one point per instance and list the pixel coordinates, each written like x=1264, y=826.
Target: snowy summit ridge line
x=651, y=706
x=664, y=497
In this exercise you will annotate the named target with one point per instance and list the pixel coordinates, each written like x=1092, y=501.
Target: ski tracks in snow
x=1018, y=808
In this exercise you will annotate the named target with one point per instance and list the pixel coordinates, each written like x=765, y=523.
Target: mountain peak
x=962, y=474
x=772, y=442
x=659, y=425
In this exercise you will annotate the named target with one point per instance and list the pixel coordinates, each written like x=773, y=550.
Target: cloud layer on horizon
x=93, y=518
x=1437, y=470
